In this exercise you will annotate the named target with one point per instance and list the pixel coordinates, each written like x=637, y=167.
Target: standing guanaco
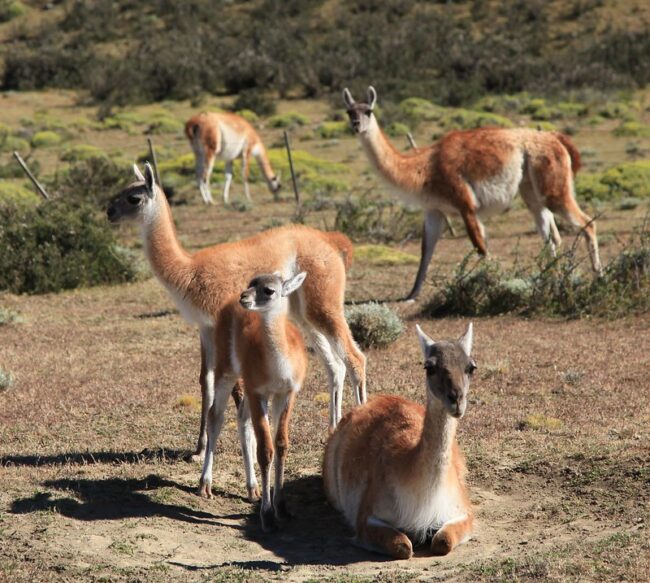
x=257, y=342
x=393, y=467
x=227, y=136
x=203, y=282
x=477, y=172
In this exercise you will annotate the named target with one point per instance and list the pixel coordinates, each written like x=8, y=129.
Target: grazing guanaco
x=202, y=283
x=477, y=172
x=260, y=345
x=393, y=467
x=227, y=136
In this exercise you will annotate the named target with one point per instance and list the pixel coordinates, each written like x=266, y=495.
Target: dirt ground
x=94, y=434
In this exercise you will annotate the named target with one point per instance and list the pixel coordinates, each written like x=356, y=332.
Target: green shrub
x=8, y=316
x=6, y=380
x=15, y=192
x=572, y=109
x=9, y=143
x=81, y=152
x=46, y=139
x=249, y=115
x=415, y=110
x=397, y=129
x=373, y=325
x=629, y=179
x=256, y=101
x=380, y=221
x=57, y=246
x=166, y=125
x=632, y=129
x=10, y=9
x=183, y=165
x=94, y=181
x=468, y=119
x=288, y=120
x=616, y=110
x=333, y=129
x=589, y=187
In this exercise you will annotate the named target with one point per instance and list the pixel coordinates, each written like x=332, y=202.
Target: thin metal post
x=35, y=182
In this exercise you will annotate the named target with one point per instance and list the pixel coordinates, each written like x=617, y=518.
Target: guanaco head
x=266, y=292
x=135, y=199
x=449, y=366
x=274, y=184
x=360, y=114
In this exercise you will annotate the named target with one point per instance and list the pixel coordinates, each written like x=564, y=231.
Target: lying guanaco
x=259, y=344
x=393, y=467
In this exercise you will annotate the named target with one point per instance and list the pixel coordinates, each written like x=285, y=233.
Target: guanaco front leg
x=206, y=378
x=452, y=534
x=259, y=414
x=248, y=445
x=245, y=167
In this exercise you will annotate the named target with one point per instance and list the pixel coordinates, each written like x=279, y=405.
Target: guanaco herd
x=392, y=467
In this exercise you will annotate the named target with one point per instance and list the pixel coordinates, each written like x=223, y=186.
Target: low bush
x=17, y=192
x=10, y=9
x=415, y=110
x=397, y=129
x=373, y=325
x=469, y=119
x=333, y=129
x=255, y=100
x=249, y=115
x=363, y=219
x=9, y=142
x=57, y=246
x=46, y=139
x=553, y=286
x=166, y=125
x=6, y=380
x=94, y=181
x=626, y=180
x=8, y=316
x=288, y=120
x=632, y=129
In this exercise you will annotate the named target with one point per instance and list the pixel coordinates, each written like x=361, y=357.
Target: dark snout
x=245, y=300
x=355, y=122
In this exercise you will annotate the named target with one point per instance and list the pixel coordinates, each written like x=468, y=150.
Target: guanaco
x=259, y=344
x=227, y=136
x=477, y=172
x=393, y=467
x=201, y=284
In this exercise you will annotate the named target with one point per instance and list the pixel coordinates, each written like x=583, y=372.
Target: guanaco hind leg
x=452, y=534
x=379, y=536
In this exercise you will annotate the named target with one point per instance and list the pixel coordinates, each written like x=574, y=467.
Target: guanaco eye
x=429, y=366
x=134, y=198
x=471, y=367
x=269, y=291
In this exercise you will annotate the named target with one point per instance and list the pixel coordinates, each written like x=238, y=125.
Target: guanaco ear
x=466, y=339
x=425, y=342
x=293, y=283
x=137, y=172
x=347, y=98
x=372, y=97
x=149, y=179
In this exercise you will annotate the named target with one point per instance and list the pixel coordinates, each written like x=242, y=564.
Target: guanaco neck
x=406, y=171
x=169, y=261
x=260, y=154
x=274, y=326
x=434, y=449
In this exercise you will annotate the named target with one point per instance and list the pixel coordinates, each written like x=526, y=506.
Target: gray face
x=360, y=115
x=128, y=204
x=274, y=184
x=448, y=370
x=263, y=291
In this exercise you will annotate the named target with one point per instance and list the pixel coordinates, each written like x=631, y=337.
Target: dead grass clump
x=188, y=402
x=374, y=325
x=539, y=422
x=6, y=380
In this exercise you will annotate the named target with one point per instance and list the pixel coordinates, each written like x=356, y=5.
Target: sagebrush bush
x=629, y=179
x=8, y=316
x=553, y=286
x=46, y=139
x=373, y=325
x=58, y=245
x=17, y=192
x=255, y=100
x=288, y=120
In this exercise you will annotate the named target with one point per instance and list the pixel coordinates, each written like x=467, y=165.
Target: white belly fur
x=232, y=144
x=496, y=194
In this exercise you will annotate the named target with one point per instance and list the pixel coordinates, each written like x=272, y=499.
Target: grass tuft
x=382, y=255
x=6, y=380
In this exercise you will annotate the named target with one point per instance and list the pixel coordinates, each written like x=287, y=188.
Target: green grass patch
x=632, y=129
x=46, y=139
x=333, y=129
x=287, y=120
x=374, y=325
x=383, y=255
